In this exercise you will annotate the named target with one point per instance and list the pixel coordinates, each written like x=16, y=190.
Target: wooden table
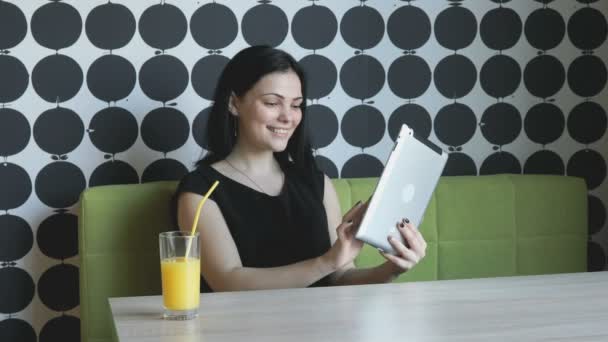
x=566, y=307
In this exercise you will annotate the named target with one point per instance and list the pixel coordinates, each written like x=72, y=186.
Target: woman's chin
x=277, y=149
x=278, y=146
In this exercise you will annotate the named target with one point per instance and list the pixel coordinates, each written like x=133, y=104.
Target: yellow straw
x=198, y=213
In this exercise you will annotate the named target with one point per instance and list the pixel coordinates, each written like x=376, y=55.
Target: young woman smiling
x=275, y=220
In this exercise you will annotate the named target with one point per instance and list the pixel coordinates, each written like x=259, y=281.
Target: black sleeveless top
x=268, y=231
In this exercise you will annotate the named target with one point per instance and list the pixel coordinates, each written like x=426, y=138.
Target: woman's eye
x=271, y=103
x=297, y=107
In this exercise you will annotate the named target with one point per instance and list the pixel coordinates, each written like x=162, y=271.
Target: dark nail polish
x=406, y=220
x=401, y=225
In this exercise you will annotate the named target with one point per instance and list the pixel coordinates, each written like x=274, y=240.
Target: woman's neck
x=251, y=160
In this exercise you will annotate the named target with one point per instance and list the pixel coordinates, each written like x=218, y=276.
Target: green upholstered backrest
x=499, y=225
x=118, y=245
x=478, y=226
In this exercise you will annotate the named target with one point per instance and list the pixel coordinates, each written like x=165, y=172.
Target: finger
x=364, y=207
x=407, y=223
x=350, y=230
x=351, y=212
x=418, y=235
x=357, y=216
x=351, y=235
x=421, y=239
x=403, y=251
x=410, y=236
x=399, y=262
x=342, y=229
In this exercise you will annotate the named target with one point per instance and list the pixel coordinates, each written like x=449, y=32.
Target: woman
x=274, y=221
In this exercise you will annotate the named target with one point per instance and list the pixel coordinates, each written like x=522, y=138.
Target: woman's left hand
x=406, y=256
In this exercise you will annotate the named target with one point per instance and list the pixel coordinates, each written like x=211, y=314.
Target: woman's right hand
x=347, y=247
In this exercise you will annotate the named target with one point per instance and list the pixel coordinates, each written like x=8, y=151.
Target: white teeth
x=278, y=130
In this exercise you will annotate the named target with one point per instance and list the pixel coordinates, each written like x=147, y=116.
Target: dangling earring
x=232, y=112
x=235, y=124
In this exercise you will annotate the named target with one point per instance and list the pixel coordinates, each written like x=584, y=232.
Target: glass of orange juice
x=180, y=274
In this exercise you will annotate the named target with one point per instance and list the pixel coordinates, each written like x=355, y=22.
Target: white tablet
x=404, y=189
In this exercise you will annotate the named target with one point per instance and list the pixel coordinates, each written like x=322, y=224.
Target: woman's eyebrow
x=281, y=96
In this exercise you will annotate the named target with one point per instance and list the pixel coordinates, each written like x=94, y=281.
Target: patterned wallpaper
x=108, y=92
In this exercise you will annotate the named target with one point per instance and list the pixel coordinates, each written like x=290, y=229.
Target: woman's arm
x=220, y=261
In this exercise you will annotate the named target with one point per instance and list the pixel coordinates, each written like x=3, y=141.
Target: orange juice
x=181, y=283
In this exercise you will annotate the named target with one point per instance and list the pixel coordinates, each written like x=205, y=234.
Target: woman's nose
x=285, y=115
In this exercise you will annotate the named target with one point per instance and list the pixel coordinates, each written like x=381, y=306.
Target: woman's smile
x=279, y=132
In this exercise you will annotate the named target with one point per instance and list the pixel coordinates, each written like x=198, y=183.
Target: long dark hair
x=243, y=71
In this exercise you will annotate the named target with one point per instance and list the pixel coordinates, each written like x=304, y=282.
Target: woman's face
x=269, y=113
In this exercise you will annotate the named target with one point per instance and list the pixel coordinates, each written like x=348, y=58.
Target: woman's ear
x=232, y=106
